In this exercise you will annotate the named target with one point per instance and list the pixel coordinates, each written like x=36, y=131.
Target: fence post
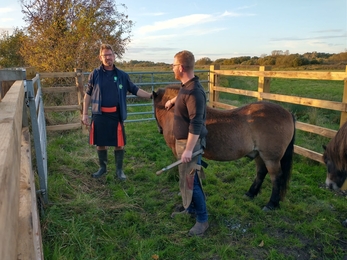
x=29, y=74
x=263, y=82
x=343, y=117
x=213, y=80
x=79, y=86
x=80, y=95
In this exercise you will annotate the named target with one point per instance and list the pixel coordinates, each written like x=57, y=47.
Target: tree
x=66, y=34
x=9, y=49
x=204, y=61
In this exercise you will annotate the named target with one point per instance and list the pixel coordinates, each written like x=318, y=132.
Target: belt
x=109, y=109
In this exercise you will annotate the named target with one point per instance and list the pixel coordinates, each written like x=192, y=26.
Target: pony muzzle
x=332, y=185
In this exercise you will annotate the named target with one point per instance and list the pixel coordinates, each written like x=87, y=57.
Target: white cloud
x=233, y=14
x=187, y=21
x=154, y=14
x=6, y=10
x=6, y=19
x=179, y=22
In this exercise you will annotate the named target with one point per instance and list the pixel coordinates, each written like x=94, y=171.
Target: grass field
x=108, y=219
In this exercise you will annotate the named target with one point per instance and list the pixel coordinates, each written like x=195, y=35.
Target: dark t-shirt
x=190, y=110
x=108, y=87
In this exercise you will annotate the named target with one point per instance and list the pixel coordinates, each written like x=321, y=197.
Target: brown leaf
x=155, y=257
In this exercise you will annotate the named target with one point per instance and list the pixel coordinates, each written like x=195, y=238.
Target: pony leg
x=276, y=176
x=280, y=173
x=258, y=181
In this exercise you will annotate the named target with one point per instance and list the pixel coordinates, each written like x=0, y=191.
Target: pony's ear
x=324, y=147
x=154, y=94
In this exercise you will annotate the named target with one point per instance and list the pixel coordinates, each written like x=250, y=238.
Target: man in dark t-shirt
x=190, y=132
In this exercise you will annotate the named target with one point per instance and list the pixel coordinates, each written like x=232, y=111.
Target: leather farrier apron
x=187, y=172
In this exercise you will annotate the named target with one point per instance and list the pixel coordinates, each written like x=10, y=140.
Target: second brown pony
x=262, y=130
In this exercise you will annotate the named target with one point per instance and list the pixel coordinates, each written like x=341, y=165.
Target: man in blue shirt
x=106, y=93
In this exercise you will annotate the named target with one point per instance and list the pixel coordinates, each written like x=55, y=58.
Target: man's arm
x=143, y=94
x=86, y=103
x=170, y=103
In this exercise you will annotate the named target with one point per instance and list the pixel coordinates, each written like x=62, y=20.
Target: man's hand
x=85, y=119
x=186, y=156
x=168, y=104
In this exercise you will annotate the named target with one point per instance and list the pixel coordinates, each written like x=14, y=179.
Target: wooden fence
x=19, y=222
x=77, y=88
x=264, y=76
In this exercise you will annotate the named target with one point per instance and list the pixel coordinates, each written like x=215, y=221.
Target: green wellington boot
x=119, y=156
x=102, y=154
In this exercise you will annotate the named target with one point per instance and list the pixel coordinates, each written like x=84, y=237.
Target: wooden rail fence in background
x=18, y=208
x=264, y=75
x=264, y=93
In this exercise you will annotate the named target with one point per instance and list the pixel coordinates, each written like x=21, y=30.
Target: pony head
x=334, y=157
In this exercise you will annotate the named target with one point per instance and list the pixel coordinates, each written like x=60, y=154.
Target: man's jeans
x=198, y=204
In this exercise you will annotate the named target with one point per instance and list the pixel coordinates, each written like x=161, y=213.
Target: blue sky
x=224, y=28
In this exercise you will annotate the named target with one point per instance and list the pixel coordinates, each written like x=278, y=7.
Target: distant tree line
x=277, y=58
x=281, y=59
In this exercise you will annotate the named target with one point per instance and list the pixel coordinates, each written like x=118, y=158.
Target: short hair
x=105, y=46
x=186, y=59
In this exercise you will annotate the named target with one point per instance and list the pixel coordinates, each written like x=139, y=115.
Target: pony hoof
x=267, y=208
x=248, y=196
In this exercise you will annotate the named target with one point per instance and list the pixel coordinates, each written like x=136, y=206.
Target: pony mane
x=336, y=149
x=172, y=90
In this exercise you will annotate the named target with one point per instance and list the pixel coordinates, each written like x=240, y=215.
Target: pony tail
x=286, y=164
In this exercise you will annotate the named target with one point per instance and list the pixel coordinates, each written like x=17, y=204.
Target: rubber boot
x=119, y=156
x=102, y=154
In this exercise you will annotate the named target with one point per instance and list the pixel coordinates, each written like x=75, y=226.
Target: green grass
x=108, y=219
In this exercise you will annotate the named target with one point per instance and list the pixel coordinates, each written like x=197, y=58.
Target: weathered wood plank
x=311, y=102
x=6, y=75
x=64, y=127
x=11, y=109
x=315, y=129
x=29, y=235
x=57, y=74
x=309, y=154
x=320, y=75
x=62, y=108
x=59, y=89
x=332, y=105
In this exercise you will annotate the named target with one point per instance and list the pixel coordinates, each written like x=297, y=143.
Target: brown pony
x=335, y=159
x=262, y=131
